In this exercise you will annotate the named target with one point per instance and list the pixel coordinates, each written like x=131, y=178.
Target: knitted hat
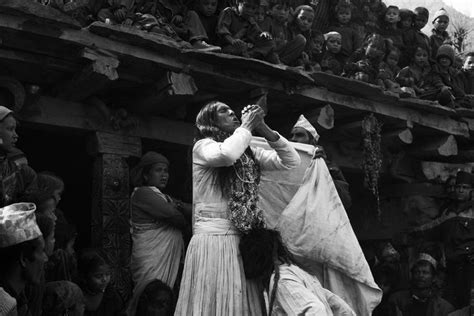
x=18, y=224
x=446, y=50
x=61, y=296
x=421, y=11
x=426, y=257
x=305, y=124
x=463, y=177
x=148, y=159
x=4, y=111
x=332, y=35
x=441, y=12
x=406, y=14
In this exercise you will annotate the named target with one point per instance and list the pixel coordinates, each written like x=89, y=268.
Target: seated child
x=302, y=22
x=207, y=12
x=350, y=37
x=405, y=25
x=172, y=19
x=239, y=33
x=421, y=18
x=288, y=49
x=414, y=76
x=439, y=36
x=115, y=12
x=366, y=68
x=466, y=80
x=451, y=93
x=389, y=27
x=389, y=69
x=333, y=60
x=372, y=11
x=100, y=297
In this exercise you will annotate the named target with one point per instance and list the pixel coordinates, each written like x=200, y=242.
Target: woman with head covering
x=157, y=223
x=226, y=175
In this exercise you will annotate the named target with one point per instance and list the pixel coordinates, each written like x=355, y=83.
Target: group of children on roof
x=360, y=39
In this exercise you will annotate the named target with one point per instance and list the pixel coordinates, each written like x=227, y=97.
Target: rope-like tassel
x=276, y=267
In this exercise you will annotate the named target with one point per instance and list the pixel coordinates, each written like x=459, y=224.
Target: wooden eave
x=40, y=44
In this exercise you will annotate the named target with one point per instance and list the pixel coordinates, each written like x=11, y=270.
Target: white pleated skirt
x=213, y=282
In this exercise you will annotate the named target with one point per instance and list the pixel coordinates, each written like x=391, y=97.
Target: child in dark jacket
x=239, y=33
x=207, y=12
x=333, y=60
x=389, y=27
x=351, y=39
x=408, y=31
x=439, y=35
x=465, y=79
x=414, y=77
x=451, y=93
x=287, y=46
x=366, y=67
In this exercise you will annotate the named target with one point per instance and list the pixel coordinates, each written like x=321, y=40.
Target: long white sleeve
x=208, y=152
x=295, y=299
x=284, y=156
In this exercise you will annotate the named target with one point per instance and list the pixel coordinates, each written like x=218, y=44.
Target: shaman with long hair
x=226, y=173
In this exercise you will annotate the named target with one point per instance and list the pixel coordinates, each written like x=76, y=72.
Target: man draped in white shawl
x=305, y=207
x=303, y=132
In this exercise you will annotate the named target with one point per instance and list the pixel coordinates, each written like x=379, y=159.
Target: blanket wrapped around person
x=304, y=206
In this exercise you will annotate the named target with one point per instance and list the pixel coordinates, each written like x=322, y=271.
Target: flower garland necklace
x=244, y=213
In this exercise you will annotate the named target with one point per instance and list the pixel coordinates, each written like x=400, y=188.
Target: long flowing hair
x=262, y=251
x=206, y=125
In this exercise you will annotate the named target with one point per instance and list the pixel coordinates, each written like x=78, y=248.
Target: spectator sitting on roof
x=466, y=80
x=439, y=35
x=303, y=132
x=17, y=178
x=287, y=47
x=240, y=34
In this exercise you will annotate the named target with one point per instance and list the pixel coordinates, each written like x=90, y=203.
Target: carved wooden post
x=110, y=226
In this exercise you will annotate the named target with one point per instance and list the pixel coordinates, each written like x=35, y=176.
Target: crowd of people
x=364, y=40
x=232, y=259
x=216, y=256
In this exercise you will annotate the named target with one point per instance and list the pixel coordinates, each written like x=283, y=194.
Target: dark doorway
x=63, y=152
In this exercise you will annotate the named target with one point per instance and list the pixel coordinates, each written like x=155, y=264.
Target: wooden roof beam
x=55, y=112
x=101, y=70
x=434, y=147
x=443, y=124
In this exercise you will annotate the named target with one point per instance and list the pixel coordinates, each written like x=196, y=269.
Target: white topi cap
x=304, y=123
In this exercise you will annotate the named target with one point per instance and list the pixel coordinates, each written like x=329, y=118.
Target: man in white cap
x=421, y=298
x=305, y=133
x=21, y=252
x=439, y=34
x=17, y=178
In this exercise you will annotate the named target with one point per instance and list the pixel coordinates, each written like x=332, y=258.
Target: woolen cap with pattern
x=427, y=257
x=441, y=12
x=332, y=35
x=447, y=51
x=4, y=111
x=304, y=123
x=18, y=224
